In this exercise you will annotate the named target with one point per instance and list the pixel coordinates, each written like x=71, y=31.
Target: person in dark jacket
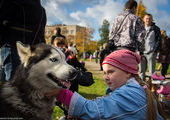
x=103, y=53
x=57, y=35
x=20, y=20
x=152, y=44
x=164, y=53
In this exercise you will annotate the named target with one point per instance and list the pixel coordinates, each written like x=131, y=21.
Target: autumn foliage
x=141, y=9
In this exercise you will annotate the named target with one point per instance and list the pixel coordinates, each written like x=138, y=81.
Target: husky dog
x=43, y=68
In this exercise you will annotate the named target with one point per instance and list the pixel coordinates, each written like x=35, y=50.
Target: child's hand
x=64, y=96
x=53, y=92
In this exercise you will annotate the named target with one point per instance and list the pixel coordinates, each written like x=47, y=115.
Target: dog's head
x=46, y=66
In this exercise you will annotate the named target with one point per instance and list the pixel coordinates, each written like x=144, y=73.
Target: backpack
x=85, y=78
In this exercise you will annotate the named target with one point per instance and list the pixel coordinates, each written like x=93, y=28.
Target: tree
x=83, y=38
x=104, y=32
x=92, y=46
x=141, y=9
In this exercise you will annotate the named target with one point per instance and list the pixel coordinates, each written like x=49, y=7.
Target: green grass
x=157, y=66
x=91, y=92
x=96, y=90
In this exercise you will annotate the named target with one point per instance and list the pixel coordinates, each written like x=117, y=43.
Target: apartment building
x=73, y=33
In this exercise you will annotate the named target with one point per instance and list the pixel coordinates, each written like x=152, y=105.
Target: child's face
x=115, y=77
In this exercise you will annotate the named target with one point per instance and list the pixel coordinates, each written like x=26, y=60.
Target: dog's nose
x=73, y=74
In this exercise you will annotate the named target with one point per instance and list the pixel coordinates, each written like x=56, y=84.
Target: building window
x=71, y=31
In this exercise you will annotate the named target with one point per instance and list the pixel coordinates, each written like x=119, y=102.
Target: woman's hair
x=163, y=33
x=152, y=101
x=59, y=41
x=130, y=4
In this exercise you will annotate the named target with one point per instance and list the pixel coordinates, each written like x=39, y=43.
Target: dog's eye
x=53, y=59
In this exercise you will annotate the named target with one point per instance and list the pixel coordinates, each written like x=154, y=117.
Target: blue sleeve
x=87, y=109
x=113, y=106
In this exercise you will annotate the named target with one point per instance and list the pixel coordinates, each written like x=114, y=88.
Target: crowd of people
x=71, y=52
x=132, y=44
x=151, y=43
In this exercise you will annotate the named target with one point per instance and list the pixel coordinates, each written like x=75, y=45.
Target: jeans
x=9, y=60
x=148, y=60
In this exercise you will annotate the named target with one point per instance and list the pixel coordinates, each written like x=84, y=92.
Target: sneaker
x=155, y=76
x=165, y=90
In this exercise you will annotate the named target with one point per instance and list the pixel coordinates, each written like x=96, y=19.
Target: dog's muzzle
x=72, y=74
x=63, y=83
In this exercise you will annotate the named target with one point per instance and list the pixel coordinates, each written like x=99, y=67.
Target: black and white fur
x=43, y=68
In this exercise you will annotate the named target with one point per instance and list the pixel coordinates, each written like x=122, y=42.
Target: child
x=129, y=98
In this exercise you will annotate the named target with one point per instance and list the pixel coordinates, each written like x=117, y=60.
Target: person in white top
x=72, y=48
x=152, y=43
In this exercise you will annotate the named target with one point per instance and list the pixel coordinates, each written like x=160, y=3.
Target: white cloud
x=91, y=17
x=94, y=16
x=160, y=17
x=98, y=13
x=56, y=13
x=64, y=1
x=99, y=10
x=108, y=11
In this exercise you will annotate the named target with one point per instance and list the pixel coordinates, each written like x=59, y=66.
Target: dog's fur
x=42, y=69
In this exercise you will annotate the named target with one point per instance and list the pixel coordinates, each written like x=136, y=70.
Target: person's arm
x=139, y=34
x=158, y=39
x=52, y=40
x=63, y=95
x=113, y=29
x=118, y=105
x=42, y=27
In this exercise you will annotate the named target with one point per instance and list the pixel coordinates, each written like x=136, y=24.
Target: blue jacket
x=125, y=103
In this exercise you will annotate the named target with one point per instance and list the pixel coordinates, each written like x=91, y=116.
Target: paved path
x=95, y=68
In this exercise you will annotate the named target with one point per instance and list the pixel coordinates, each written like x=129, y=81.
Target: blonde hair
x=151, y=100
x=163, y=33
x=59, y=41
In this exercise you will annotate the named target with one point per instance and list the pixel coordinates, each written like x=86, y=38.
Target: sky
x=91, y=13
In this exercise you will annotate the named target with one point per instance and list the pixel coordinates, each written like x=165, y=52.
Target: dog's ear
x=24, y=52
